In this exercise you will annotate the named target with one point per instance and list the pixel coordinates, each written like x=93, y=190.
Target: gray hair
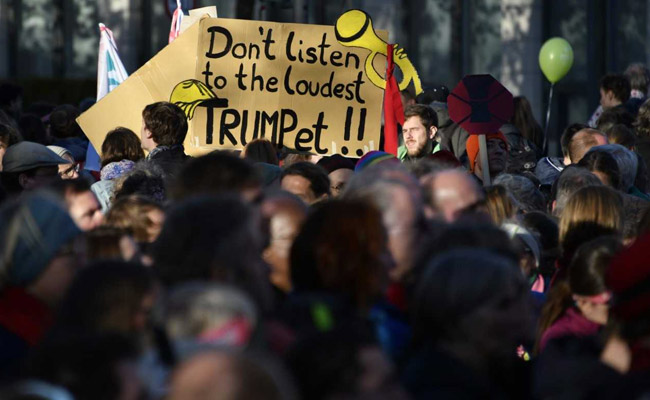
x=192, y=309
x=571, y=179
x=625, y=159
x=526, y=195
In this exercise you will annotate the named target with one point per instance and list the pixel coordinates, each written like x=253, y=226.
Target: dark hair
x=570, y=180
x=105, y=297
x=614, y=116
x=341, y=248
x=64, y=187
x=319, y=181
x=213, y=173
x=621, y=134
x=586, y=277
x=9, y=92
x=63, y=122
x=261, y=150
x=428, y=117
x=85, y=364
x=524, y=120
x=568, y=134
x=604, y=163
x=121, y=144
x=145, y=179
x=618, y=84
x=548, y=233
x=166, y=122
x=213, y=239
x=32, y=129
x=474, y=297
x=639, y=77
x=9, y=136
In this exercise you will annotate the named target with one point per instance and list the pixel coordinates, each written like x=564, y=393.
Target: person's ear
x=432, y=132
x=24, y=181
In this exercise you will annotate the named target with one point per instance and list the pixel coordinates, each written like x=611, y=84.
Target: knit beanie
x=33, y=232
x=372, y=158
x=472, y=146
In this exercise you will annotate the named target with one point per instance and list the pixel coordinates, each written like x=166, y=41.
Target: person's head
x=11, y=98
x=41, y=247
x=211, y=313
x=307, y=181
x=604, y=166
x=342, y=249
x=500, y=204
x=145, y=179
x=261, y=150
x=614, y=116
x=163, y=124
x=285, y=214
x=419, y=130
x=567, y=136
x=108, y=296
x=639, y=77
x=570, y=180
x=197, y=177
x=524, y=120
x=8, y=137
x=88, y=365
x=626, y=160
x=590, y=212
x=390, y=188
x=80, y=201
x=433, y=95
x=63, y=122
x=614, y=90
x=29, y=166
x=212, y=239
x=642, y=121
x=623, y=135
x=348, y=355
x=452, y=193
x=339, y=170
x=497, y=151
x=121, y=144
x=66, y=171
x=473, y=304
x=140, y=216
x=545, y=228
x=584, y=140
x=526, y=195
x=585, y=287
x=214, y=375
x=110, y=243
x=33, y=129
x=407, y=97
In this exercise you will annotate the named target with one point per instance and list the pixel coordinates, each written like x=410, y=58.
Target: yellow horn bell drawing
x=354, y=29
x=189, y=94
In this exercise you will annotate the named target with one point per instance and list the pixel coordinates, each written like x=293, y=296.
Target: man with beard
x=497, y=150
x=419, y=131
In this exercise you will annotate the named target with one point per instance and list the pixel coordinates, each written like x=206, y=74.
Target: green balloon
x=555, y=59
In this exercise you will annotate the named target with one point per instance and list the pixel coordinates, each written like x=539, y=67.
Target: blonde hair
x=598, y=205
x=499, y=204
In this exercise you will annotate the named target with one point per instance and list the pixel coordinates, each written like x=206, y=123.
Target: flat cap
x=24, y=156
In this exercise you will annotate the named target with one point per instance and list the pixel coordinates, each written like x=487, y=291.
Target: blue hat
x=33, y=232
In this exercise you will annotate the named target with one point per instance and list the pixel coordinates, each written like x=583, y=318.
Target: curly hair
x=642, y=122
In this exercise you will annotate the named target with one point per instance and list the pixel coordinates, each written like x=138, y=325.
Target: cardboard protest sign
x=236, y=80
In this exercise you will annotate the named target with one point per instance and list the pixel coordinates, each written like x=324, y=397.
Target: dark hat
x=337, y=161
x=24, y=156
x=434, y=94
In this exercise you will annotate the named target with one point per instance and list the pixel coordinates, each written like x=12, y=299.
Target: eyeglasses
x=70, y=172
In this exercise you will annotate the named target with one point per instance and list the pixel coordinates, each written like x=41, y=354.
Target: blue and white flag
x=110, y=73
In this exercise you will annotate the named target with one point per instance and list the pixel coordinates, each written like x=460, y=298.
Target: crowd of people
x=269, y=274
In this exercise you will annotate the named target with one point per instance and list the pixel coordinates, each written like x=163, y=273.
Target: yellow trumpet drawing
x=192, y=93
x=354, y=29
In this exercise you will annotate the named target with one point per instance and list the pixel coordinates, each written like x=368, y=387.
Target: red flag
x=393, y=109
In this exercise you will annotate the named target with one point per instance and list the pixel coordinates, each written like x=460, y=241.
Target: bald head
x=217, y=376
x=451, y=193
x=584, y=140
